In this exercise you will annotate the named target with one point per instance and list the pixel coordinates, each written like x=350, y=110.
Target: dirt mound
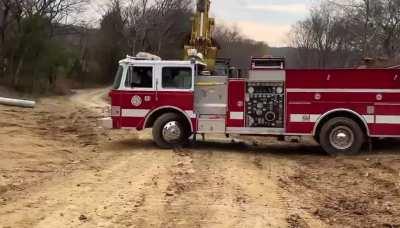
x=55, y=137
x=355, y=192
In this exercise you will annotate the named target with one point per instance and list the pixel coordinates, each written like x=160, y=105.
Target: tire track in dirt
x=206, y=188
x=356, y=191
x=183, y=207
x=41, y=143
x=223, y=188
x=120, y=179
x=256, y=199
x=104, y=197
x=58, y=201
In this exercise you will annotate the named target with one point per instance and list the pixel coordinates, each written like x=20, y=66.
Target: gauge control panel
x=265, y=104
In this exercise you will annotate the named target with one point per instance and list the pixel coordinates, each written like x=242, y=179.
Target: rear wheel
x=341, y=136
x=170, y=130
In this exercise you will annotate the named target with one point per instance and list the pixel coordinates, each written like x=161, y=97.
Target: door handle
x=156, y=98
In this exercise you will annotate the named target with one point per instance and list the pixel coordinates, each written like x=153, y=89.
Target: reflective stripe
x=370, y=119
x=237, y=115
x=304, y=118
x=115, y=111
x=214, y=105
x=134, y=112
x=191, y=114
x=381, y=119
x=300, y=90
x=144, y=112
x=297, y=118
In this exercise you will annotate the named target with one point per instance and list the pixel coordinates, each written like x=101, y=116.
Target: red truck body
x=368, y=97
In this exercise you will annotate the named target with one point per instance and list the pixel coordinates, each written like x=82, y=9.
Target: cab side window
x=139, y=77
x=177, y=78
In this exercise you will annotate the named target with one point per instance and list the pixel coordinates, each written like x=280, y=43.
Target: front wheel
x=170, y=130
x=341, y=136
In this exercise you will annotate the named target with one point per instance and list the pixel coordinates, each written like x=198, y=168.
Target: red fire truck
x=341, y=108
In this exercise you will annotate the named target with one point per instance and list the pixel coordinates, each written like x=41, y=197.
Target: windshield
x=118, y=78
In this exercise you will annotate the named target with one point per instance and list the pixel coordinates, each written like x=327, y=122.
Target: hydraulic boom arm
x=201, y=36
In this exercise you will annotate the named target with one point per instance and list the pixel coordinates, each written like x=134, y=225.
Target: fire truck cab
x=340, y=108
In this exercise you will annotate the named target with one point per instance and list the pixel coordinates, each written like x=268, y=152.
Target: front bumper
x=106, y=123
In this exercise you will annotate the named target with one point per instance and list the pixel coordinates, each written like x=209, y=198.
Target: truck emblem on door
x=136, y=100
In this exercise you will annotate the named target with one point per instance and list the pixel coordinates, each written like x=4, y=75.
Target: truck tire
x=170, y=130
x=341, y=136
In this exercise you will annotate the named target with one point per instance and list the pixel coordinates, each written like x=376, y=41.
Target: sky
x=262, y=20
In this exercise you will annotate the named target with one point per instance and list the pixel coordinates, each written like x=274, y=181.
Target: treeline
x=342, y=33
x=162, y=28
x=45, y=47
x=159, y=27
x=237, y=47
x=42, y=51
x=30, y=55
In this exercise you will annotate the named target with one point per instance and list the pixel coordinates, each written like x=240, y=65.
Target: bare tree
x=152, y=25
x=388, y=22
x=237, y=47
x=341, y=33
x=26, y=30
x=322, y=37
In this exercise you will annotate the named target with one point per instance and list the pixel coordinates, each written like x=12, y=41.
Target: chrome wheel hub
x=341, y=138
x=171, y=132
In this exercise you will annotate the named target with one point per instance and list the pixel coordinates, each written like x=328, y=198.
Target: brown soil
x=59, y=169
x=361, y=191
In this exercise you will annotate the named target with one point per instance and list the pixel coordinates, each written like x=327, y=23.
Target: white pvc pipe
x=17, y=102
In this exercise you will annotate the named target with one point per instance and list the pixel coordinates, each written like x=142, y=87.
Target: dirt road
x=58, y=169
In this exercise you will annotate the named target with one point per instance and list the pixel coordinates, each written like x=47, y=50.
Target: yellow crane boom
x=201, y=36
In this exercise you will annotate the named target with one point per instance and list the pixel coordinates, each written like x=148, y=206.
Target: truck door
x=175, y=88
x=137, y=95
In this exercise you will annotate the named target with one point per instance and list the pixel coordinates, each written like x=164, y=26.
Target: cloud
x=273, y=34
x=293, y=8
